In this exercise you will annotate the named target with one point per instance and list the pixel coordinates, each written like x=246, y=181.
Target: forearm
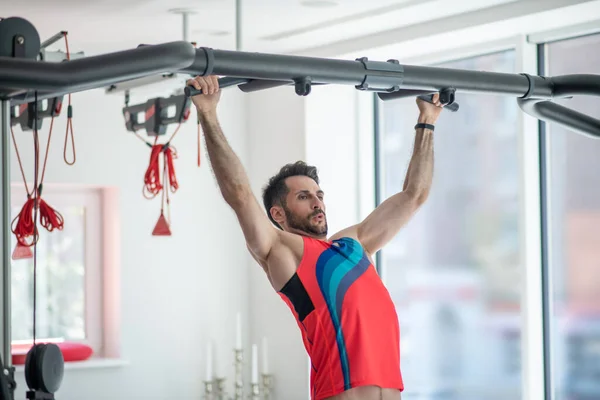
x=405, y=186
x=227, y=167
x=420, y=170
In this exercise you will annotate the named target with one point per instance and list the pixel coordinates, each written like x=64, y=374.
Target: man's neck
x=310, y=235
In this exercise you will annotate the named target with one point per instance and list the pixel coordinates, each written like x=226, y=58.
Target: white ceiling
x=282, y=26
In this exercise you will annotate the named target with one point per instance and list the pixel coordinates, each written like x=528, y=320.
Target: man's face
x=304, y=209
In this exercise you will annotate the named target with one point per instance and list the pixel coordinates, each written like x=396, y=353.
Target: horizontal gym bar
x=95, y=71
x=275, y=66
x=106, y=69
x=382, y=75
x=52, y=79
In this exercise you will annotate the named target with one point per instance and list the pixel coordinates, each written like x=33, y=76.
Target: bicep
x=386, y=221
x=258, y=231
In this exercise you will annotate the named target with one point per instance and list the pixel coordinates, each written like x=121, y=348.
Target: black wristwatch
x=425, y=126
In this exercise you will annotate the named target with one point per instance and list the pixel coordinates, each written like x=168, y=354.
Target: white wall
x=331, y=145
x=275, y=137
x=340, y=142
x=200, y=270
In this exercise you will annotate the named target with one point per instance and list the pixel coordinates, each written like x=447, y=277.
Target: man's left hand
x=429, y=112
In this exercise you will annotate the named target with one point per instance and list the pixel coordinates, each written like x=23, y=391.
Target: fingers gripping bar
x=252, y=85
x=446, y=97
x=223, y=83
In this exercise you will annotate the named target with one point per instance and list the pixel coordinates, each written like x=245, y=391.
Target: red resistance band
x=24, y=225
x=154, y=185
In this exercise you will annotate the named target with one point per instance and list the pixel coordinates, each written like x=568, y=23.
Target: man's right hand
x=207, y=101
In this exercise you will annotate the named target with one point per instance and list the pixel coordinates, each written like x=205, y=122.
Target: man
x=346, y=316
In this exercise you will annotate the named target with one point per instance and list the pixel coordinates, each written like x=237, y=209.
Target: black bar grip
x=565, y=86
x=223, y=83
x=402, y=93
x=255, y=85
x=261, y=84
x=426, y=95
x=450, y=107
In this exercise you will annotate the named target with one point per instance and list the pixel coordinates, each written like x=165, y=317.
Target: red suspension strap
x=199, y=128
x=24, y=225
x=24, y=229
x=69, y=117
x=154, y=183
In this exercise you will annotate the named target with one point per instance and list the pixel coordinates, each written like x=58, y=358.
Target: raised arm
x=231, y=177
x=386, y=220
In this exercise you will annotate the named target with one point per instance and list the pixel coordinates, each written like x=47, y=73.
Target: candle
x=254, y=363
x=238, y=332
x=209, y=362
x=265, y=357
x=217, y=366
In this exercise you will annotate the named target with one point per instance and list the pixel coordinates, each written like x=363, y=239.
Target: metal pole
x=106, y=69
x=186, y=26
x=53, y=39
x=422, y=77
x=238, y=25
x=96, y=71
x=6, y=264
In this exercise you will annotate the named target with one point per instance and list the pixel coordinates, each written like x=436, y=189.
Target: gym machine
x=28, y=72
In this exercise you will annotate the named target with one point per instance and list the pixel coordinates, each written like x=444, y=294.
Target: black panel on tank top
x=296, y=292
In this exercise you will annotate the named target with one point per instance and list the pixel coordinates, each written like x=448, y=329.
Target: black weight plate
x=9, y=27
x=31, y=369
x=51, y=367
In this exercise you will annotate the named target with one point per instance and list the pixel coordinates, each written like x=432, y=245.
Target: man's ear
x=278, y=214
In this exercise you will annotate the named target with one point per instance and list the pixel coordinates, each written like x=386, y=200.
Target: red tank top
x=347, y=318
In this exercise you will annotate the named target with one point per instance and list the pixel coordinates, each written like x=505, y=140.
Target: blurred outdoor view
x=60, y=282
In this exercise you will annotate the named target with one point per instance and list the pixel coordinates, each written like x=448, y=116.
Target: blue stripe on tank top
x=337, y=269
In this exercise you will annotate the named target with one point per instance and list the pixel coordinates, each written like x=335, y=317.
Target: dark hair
x=276, y=190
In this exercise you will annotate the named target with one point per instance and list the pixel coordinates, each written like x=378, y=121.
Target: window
x=573, y=223
x=454, y=271
x=69, y=278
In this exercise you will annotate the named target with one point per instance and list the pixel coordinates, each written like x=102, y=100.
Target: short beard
x=305, y=225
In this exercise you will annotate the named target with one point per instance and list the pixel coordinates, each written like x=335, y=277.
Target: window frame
x=101, y=260
x=536, y=344
x=541, y=42
x=532, y=349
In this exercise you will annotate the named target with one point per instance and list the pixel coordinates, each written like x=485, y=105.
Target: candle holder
x=208, y=390
x=239, y=381
x=254, y=391
x=219, y=388
x=267, y=385
x=261, y=390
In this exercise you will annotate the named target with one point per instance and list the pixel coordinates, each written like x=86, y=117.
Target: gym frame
x=24, y=78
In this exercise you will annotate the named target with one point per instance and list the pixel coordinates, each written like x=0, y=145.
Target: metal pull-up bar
x=19, y=77
x=562, y=87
